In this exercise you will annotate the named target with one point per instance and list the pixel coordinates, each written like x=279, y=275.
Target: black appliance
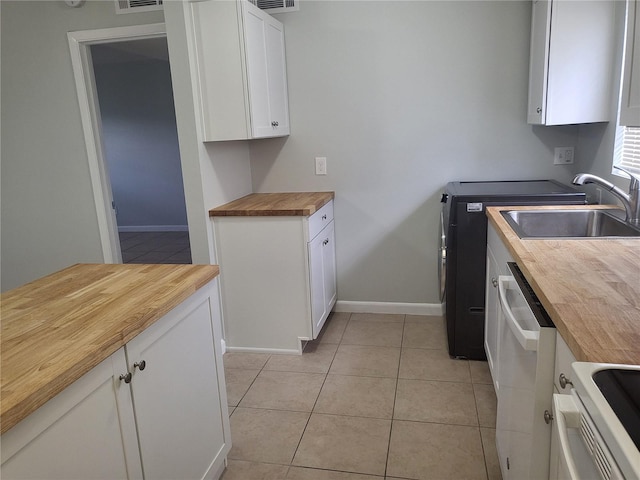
x=463, y=250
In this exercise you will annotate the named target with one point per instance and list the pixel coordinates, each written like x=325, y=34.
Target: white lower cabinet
x=169, y=421
x=278, y=278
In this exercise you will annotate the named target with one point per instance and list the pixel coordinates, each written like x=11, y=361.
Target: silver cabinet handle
x=548, y=417
x=141, y=365
x=326, y=241
x=274, y=124
x=564, y=381
x=126, y=377
x=494, y=282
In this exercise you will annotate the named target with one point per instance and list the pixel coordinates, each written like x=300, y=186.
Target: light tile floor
x=155, y=247
x=375, y=397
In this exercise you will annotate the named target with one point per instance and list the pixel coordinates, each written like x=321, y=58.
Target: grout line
x=395, y=397
x=318, y=396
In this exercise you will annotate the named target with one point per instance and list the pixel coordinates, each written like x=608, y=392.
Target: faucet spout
x=630, y=201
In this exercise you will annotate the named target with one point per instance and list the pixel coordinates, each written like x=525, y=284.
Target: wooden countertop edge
x=522, y=256
x=271, y=209
x=23, y=407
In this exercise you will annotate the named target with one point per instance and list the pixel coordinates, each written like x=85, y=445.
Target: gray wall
x=48, y=214
x=141, y=142
x=402, y=97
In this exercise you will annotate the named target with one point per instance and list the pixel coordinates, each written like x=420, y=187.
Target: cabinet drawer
x=320, y=219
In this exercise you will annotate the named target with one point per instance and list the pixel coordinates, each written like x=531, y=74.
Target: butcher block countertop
x=57, y=328
x=590, y=288
x=274, y=204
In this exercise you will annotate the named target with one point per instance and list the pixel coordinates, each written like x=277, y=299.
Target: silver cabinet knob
x=326, y=241
x=539, y=110
x=141, y=365
x=324, y=217
x=126, y=377
x=548, y=417
x=274, y=124
x=564, y=381
x=494, y=281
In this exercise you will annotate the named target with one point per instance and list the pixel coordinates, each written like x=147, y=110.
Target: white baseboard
x=153, y=228
x=389, y=307
x=275, y=351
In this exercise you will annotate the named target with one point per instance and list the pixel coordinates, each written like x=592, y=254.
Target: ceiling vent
x=135, y=6
x=277, y=6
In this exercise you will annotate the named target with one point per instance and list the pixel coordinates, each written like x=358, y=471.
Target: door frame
x=79, y=47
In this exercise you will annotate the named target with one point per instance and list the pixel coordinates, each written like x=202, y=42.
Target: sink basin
x=569, y=224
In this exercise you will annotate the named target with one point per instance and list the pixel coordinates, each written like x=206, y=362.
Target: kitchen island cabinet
x=277, y=254
x=155, y=401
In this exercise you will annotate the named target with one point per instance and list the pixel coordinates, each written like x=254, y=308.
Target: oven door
x=577, y=449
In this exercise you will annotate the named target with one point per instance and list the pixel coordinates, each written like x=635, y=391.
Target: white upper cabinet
x=630, y=105
x=571, y=62
x=242, y=71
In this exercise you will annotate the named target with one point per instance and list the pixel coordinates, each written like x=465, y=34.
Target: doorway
x=126, y=101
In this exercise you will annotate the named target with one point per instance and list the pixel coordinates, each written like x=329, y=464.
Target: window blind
x=627, y=148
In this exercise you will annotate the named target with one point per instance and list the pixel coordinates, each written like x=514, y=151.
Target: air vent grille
x=595, y=449
x=134, y=6
x=277, y=6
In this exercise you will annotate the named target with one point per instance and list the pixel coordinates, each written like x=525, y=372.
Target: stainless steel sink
x=569, y=224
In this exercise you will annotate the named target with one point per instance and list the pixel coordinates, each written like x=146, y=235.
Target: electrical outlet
x=321, y=165
x=563, y=156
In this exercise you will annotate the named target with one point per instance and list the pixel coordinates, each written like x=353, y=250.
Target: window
x=626, y=152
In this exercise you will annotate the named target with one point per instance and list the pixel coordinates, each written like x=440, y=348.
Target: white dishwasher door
x=526, y=378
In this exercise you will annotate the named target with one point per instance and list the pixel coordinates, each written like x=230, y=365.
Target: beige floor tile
x=350, y=444
x=316, y=358
x=364, y=332
x=424, y=332
x=304, y=473
x=357, y=396
x=269, y=436
x=435, y=451
x=378, y=317
x=241, y=470
x=490, y=453
x=486, y=403
x=238, y=382
x=366, y=361
x=284, y=391
x=480, y=372
x=439, y=402
x=245, y=360
x=426, y=364
x=333, y=328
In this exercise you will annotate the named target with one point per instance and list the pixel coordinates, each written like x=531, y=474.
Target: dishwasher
x=527, y=345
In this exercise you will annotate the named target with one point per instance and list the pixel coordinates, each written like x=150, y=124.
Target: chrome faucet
x=631, y=201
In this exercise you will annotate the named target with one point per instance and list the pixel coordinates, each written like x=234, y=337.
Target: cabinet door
x=539, y=61
x=266, y=73
x=322, y=271
x=318, y=305
x=491, y=327
x=180, y=409
x=86, y=431
x=329, y=268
